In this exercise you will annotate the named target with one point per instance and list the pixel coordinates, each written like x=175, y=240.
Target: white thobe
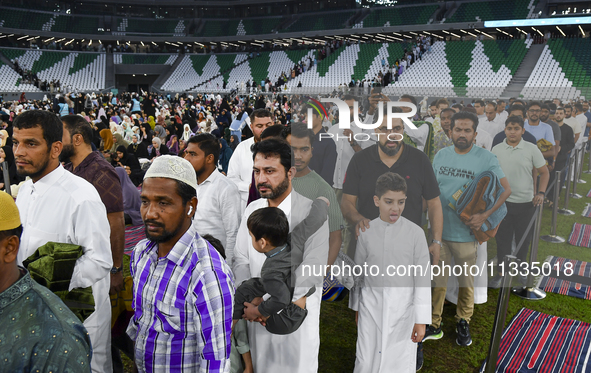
x=296, y=352
x=491, y=126
x=219, y=211
x=240, y=169
x=390, y=305
x=484, y=140
x=502, y=117
x=64, y=208
x=345, y=151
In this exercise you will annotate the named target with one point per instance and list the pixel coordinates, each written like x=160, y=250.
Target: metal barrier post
x=6, y=177
x=589, y=151
x=552, y=237
x=574, y=194
x=528, y=291
x=500, y=317
x=565, y=210
x=581, y=161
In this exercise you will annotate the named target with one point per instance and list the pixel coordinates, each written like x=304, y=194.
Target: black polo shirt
x=413, y=165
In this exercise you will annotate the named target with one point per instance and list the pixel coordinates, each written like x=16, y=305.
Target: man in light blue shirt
x=539, y=129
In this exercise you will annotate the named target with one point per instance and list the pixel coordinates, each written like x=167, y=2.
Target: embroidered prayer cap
x=9, y=216
x=173, y=167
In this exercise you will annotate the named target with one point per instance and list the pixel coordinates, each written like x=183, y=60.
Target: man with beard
x=454, y=167
x=570, y=119
x=443, y=138
x=296, y=352
x=183, y=290
x=309, y=184
x=58, y=206
x=545, y=117
x=92, y=167
x=539, y=129
x=218, y=200
x=240, y=166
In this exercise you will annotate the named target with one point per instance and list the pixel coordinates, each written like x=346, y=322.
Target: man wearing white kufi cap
x=183, y=290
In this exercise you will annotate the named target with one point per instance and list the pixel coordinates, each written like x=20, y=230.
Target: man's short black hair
x=77, y=125
x=300, y=130
x=349, y=97
x=515, y=120
x=559, y=108
x=18, y=231
x=452, y=111
x=186, y=192
x=579, y=106
x=261, y=113
x=274, y=147
x=269, y=223
x=208, y=144
x=534, y=103
x=52, y=127
x=492, y=103
x=479, y=102
x=286, y=131
x=412, y=99
x=517, y=107
x=217, y=244
x=464, y=115
x=390, y=181
x=272, y=131
x=545, y=107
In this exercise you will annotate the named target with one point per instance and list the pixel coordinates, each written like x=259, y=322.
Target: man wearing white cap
x=183, y=290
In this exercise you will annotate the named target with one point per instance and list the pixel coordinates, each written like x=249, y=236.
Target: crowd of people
x=237, y=196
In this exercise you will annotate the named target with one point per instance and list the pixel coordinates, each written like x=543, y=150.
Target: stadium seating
x=486, y=11
x=144, y=59
x=197, y=69
x=130, y=26
x=563, y=70
x=219, y=27
x=75, y=70
x=316, y=22
x=395, y=16
x=75, y=24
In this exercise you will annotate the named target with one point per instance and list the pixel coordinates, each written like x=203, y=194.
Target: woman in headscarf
x=187, y=133
x=160, y=132
x=7, y=156
x=233, y=142
x=3, y=138
x=137, y=148
x=118, y=141
x=225, y=155
x=151, y=122
x=130, y=163
x=173, y=145
x=157, y=149
x=107, y=137
x=131, y=199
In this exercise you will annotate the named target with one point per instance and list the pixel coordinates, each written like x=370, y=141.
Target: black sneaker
x=419, y=356
x=432, y=332
x=463, y=330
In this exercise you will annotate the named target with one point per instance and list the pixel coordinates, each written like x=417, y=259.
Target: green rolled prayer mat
x=52, y=266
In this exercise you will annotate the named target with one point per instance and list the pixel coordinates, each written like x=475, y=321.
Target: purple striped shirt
x=183, y=307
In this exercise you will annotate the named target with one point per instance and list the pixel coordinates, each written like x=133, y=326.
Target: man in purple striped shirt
x=183, y=290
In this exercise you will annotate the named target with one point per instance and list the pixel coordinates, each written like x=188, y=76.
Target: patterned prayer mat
x=133, y=235
x=536, y=342
x=580, y=235
x=587, y=211
x=569, y=268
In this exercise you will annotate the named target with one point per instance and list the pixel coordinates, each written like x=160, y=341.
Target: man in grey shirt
x=545, y=117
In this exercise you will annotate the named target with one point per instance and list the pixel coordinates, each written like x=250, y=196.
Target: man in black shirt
x=389, y=155
x=567, y=143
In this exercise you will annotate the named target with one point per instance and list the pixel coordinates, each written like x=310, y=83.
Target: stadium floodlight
x=69, y=42
x=23, y=37
x=82, y=41
x=117, y=42
x=506, y=33
x=3, y=36
x=155, y=44
x=31, y=38
x=142, y=43
x=13, y=35
x=445, y=31
x=413, y=33
x=100, y=42
x=90, y=42
x=520, y=30
x=582, y=32
x=48, y=40
x=395, y=33
x=563, y=34
x=62, y=39
x=538, y=31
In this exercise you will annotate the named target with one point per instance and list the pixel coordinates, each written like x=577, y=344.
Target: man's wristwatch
x=437, y=242
x=116, y=270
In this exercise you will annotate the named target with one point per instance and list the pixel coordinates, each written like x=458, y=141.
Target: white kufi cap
x=173, y=167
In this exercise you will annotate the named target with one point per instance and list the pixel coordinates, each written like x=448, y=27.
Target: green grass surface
x=337, y=323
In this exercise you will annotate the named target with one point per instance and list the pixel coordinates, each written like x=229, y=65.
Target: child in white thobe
x=393, y=304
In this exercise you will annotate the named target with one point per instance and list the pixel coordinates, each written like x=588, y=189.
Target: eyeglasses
x=534, y=111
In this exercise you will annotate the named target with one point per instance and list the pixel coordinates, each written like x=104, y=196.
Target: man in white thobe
x=57, y=206
x=296, y=352
x=240, y=166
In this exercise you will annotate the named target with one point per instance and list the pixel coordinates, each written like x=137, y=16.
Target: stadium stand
x=75, y=24
x=143, y=59
x=257, y=26
x=316, y=22
x=395, y=16
x=219, y=27
x=131, y=26
x=563, y=70
x=486, y=11
x=75, y=70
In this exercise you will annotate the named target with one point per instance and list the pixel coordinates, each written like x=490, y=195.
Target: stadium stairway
x=162, y=78
x=522, y=74
x=110, y=79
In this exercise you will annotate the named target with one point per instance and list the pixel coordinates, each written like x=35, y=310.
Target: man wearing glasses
x=539, y=129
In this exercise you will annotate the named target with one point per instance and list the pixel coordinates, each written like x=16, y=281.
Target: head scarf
x=160, y=132
x=174, y=148
x=131, y=197
x=151, y=122
x=119, y=142
x=187, y=133
x=4, y=138
x=107, y=137
x=234, y=144
x=158, y=142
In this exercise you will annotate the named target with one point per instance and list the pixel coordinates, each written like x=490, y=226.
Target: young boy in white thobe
x=393, y=300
